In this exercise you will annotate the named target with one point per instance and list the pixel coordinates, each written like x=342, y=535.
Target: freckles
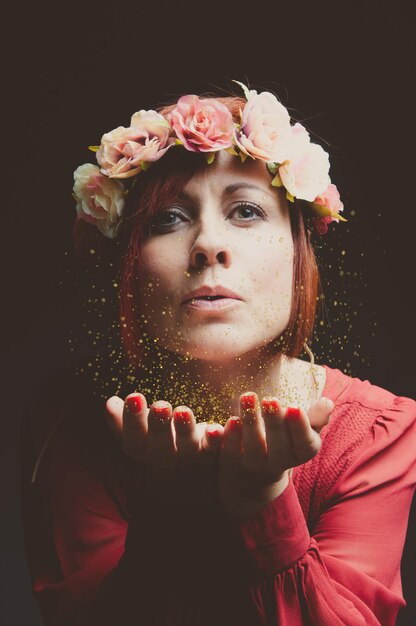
x=277, y=258
x=163, y=261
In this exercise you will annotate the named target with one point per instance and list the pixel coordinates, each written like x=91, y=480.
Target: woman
x=238, y=484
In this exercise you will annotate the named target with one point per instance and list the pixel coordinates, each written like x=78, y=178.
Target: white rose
x=100, y=200
x=305, y=172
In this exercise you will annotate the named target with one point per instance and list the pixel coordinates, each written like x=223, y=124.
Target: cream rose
x=265, y=131
x=305, y=171
x=124, y=150
x=100, y=200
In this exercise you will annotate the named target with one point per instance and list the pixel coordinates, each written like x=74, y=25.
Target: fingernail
x=235, y=424
x=293, y=413
x=269, y=405
x=161, y=412
x=248, y=401
x=213, y=431
x=135, y=404
x=182, y=416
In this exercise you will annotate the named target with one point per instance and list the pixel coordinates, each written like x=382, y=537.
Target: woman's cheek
x=153, y=258
x=159, y=274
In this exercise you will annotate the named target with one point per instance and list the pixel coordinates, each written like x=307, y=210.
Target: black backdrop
x=73, y=71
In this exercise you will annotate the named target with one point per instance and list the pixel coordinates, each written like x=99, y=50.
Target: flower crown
x=207, y=126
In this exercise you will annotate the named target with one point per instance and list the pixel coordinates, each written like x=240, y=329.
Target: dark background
x=73, y=71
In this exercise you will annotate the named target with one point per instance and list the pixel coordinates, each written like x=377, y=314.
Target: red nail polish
x=162, y=413
x=135, y=404
x=293, y=413
x=235, y=424
x=248, y=401
x=213, y=431
x=182, y=416
x=270, y=406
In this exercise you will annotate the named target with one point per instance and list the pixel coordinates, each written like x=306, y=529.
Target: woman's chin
x=219, y=349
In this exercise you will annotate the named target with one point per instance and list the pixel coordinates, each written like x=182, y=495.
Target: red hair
x=160, y=185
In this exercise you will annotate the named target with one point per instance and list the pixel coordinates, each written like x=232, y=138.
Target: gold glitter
x=335, y=340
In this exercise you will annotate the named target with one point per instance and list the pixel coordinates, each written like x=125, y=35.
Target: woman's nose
x=210, y=247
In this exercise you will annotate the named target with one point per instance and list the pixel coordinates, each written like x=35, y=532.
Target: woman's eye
x=248, y=211
x=167, y=219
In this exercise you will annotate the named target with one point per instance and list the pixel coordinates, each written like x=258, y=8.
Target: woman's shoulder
x=61, y=407
x=364, y=412
x=54, y=393
x=343, y=389
x=86, y=382
x=367, y=422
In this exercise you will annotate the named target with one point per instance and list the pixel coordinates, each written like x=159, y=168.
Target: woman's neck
x=210, y=389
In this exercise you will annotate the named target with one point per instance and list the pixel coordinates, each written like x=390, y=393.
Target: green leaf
x=93, y=148
x=210, y=156
x=320, y=210
x=323, y=211
x=277, y=181
x=289, y=196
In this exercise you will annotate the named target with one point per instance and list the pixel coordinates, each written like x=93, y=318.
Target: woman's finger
x=161, y=444
x=277, y=435
x=305, y=441
x=212, y=437
x=253, y=431
x=319, y=413
x=186, y=434
x=135, y=424
x=232, y=444
x=114, y=416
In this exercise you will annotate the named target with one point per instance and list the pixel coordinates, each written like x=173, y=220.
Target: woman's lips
x=210, y=305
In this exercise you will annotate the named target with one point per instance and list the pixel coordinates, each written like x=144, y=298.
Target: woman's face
x=228, y=229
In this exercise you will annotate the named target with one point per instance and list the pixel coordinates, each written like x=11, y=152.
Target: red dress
x=326, y=552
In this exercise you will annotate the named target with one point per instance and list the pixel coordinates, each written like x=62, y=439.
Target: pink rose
x=305, y=172
x=329, y=200
x=327, y=206
x=124, y=150
x=265, y=128
x=100, y=200
x=320, y=224
x=202, y=125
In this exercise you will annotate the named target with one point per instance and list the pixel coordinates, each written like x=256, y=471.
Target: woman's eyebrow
x=230, y=189
x=234, y=187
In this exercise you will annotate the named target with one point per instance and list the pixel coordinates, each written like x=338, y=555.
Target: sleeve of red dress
x=89, y=564
x=347, y=572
